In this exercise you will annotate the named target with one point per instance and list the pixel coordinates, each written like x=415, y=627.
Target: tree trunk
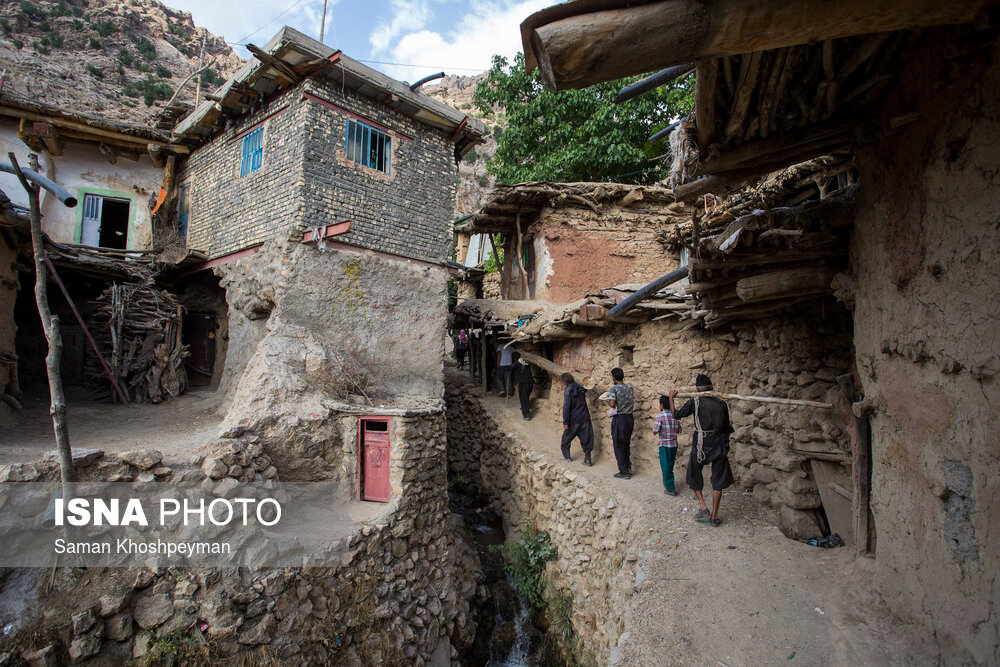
x=50, y=325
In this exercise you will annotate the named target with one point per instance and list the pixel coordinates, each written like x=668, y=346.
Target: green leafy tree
x=576, y=135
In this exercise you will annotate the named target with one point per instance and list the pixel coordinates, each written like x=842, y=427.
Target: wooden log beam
x=790, y=282
x=704, y=101
x=274, y=62
x=554, y=368
x=89, y=131
x=756, y=399
x=576, y=45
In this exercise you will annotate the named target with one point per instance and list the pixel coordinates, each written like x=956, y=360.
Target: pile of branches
x=138, y=330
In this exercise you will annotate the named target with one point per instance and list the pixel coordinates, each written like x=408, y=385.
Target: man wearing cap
x=621, y=401
x=709, y=444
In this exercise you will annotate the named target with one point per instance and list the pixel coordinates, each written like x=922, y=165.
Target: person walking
x=621, y=400
x=505, y=361
x=525, y=382
x=576, y=419
x=666, y=428
x=475, y=349
x=709, y=445
x=461, y=347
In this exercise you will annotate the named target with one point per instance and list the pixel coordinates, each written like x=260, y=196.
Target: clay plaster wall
x=300, y=316
x=790, y=358
x=926, y=254
x=578, y=250
x=82, y=169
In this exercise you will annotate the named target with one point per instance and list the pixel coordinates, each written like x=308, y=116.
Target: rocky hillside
x=119, y=59
x=474, y=182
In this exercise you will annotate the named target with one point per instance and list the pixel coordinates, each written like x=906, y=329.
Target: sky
x=406, y=39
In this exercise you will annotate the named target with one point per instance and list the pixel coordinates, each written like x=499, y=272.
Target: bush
x=525, y=562
x=55, y=39
x=46, y=41
x=5, y=26
x=149, y=89
x=212, y=79
x=146, y=49
x=44, y=26
x=142, y=67
x=77, y=11
x=18, y=44
x=95, y=43
x=95, y=71
x=125, y=57
x=105, y=28
x=60, y=9
x=42, y=48
x=31, y=10
x=77, y=24
x=163, y=73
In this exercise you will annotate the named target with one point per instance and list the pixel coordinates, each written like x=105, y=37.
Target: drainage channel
x=508, y=634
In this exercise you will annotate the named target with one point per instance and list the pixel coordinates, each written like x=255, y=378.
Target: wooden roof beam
x=581, y=43
x=274, y=62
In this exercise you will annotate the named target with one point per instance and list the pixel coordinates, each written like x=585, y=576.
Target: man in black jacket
x=525, y=382
x=576, y=419
x=710, y=444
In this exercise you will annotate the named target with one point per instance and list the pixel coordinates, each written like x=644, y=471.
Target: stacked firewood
x=138, y=330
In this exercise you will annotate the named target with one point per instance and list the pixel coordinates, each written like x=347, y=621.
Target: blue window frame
x=252, y=155
x=368, y=146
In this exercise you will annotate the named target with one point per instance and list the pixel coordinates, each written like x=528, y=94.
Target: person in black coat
x=576, y=419
x=525, y=382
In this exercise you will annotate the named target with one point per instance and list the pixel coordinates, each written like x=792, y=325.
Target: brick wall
x=408, y=212
x=229, y=213
x=306, y=179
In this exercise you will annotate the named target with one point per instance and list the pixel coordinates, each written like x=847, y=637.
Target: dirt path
x=738, y=595
x=174, y=427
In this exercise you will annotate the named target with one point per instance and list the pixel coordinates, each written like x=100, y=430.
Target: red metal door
x=375, y=460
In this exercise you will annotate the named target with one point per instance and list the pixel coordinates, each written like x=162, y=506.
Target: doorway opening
x=105, y=222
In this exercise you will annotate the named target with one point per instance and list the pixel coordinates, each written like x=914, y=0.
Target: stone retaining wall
x=399, y=597
x=782, y=357
x=593, y=532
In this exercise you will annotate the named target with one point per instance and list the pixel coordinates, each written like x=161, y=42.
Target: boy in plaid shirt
x=666, y=429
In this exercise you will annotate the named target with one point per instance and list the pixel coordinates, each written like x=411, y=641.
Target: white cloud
x=486, y=29
x=408, y=15
x=236, y=21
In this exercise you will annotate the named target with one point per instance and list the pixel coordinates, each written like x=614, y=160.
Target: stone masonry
x=305, y=179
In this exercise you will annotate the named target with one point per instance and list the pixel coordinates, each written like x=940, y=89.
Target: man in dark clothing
x=475, y=349
x=525, y=382
x=622, y=424
x=710, y=444
x=491, y=349
x=576, y=419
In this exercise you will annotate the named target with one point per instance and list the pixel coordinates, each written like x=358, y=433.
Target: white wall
x=83, y=169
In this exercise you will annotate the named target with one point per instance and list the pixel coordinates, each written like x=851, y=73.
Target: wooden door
x=375, y=450
x=90, y=233
x=199, y=334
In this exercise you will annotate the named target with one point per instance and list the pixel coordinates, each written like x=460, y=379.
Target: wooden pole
x=50, y=325
x=554, y=368
x=520, y=259
x=482, y=358
x=756, y=399
x=322, y=24
x=860, y=470
x=496, y=260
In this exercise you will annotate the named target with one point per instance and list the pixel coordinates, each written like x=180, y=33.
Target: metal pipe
x=661, y=78
x=64, y=196
x=651, y=288
x=664, y=132
x=414, y=86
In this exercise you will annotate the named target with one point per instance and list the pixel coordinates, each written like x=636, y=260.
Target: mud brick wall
x=306, y=179
x=578, y=250
x=407, y=212
x=927, y=253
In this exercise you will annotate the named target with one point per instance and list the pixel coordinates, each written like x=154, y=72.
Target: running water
x=520, y=652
